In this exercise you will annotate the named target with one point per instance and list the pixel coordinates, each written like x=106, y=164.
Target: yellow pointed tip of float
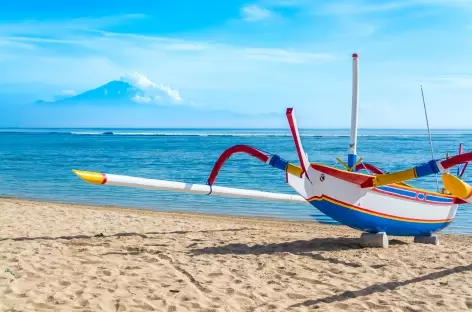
x=91, y=177
x=456, y=186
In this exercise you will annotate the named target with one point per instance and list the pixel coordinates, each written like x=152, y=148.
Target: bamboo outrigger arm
x=182, y=187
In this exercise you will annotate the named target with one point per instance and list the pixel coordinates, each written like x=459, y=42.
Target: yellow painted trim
x=90, y=177
x=395, y=177
x=293, y=169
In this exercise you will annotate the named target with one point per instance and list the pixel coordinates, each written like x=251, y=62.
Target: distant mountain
x=130, y=89
x=114, y=92
x=131, y=101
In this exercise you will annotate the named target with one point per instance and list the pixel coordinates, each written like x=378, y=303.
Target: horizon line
x=217, y=128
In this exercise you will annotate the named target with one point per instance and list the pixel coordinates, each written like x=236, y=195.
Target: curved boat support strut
x=273, y=160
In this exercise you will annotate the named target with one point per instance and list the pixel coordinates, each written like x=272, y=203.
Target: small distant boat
x=360, y=195
x=108, y=132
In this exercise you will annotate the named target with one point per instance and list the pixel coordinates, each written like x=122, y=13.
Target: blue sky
x=253, y=56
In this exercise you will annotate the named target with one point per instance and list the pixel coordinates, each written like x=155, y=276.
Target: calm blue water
x=36, y=164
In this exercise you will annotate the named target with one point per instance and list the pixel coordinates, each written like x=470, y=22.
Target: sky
x=255, y=57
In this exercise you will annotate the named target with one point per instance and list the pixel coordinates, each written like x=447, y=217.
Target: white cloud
x=286, y=3
x=68, y=92
x=153, y=92
x=63, y=26
x=285, y=56
x=351, y=8
x=146, y=99
x=456, y=3
x=62, y=95
x=368, y=7
x=185, y=46
x=453, y=81
x=359, y=7
x=253, y=13
x=137, y=80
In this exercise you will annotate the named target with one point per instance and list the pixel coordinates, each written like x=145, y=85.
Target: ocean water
x=37, y=164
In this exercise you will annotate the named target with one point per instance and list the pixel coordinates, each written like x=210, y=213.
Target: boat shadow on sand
x=296, y=247
x=383, y=287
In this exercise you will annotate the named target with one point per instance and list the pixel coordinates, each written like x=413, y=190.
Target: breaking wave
x=235, y=133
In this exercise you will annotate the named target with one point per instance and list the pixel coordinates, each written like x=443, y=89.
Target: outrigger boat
x=374, y=202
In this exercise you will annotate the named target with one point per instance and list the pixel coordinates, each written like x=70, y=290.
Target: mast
x=352, y=156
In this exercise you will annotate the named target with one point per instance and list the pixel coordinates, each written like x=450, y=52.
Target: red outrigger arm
x=456, y=160
x=369, y=167
x=272, y=160
x=231, y=151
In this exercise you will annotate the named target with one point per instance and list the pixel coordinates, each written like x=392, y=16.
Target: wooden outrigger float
x=376, y=203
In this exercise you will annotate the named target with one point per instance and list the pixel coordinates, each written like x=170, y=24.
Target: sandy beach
x=61, y=257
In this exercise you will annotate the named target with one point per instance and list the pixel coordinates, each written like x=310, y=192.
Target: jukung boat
x=360, y=196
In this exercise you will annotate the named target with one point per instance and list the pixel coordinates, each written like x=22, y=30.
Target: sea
x=37, y=164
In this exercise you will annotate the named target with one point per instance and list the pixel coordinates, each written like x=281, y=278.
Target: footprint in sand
x=153, y=297
x=296, y=296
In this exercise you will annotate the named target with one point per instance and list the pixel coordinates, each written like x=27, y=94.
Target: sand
x=61, y=257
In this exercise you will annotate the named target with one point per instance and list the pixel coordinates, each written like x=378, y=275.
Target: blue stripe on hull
x=413, y=194
x=374, y=224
